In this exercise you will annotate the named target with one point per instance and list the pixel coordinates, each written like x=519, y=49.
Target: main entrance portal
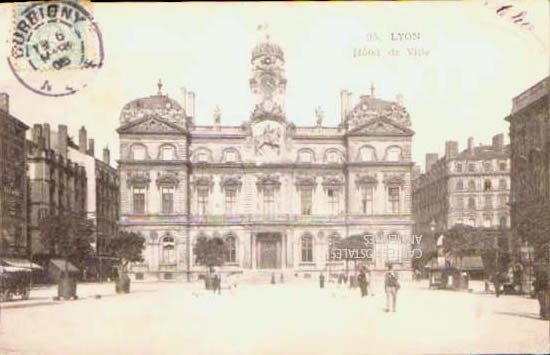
x=268, y=246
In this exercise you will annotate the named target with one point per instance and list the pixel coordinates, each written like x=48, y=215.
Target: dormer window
x=167, y=153
x=138, y=152
x=230, y=157
x=305, y=157
x=393, y=154
x=367, y=154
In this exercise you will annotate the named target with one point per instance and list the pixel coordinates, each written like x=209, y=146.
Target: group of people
x=391, y=285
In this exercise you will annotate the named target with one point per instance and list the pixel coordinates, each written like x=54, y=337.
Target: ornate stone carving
x=370, y=108
x=332, y=182
x=319, y=115
x=231, y=182
x=266, y=181
x=269, y=139
x=168, y=178
x=305, y=182
x=394, y=179
x=268, y=109
x=138, y=178
x=366, y=179
x=202, y=182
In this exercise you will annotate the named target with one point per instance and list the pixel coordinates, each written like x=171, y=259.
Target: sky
x=476, y=61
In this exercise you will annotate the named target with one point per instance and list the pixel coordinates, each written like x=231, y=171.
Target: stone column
x=253, y=251
x=284, y=252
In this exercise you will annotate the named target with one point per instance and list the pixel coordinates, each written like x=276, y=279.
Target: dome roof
x=267, y=49
x=160, y=105
x=153, y=102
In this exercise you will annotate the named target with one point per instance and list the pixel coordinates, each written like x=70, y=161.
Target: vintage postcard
x=275, y=178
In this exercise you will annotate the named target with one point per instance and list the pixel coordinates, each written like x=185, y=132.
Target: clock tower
x=268, y=81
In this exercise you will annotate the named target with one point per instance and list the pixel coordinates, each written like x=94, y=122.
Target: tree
x=67, y=235
x=128, y=247
x=533, y=225
x=209, y=252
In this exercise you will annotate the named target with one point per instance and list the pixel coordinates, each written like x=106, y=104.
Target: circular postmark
x=56, y=47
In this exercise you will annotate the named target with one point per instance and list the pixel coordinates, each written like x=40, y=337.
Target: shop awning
x=19, y=263
x=60, y=265
x=13, y=269
x=470, y=263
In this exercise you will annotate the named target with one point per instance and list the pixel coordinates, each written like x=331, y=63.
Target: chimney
x=431, y=159
x=36, y=133
x=82, y=139
x=343, y=97
x=471, y=145
x=47, y=135
x=451, y=149
x=106, y=156
x=190, y=105
x=184, y=99
x=91, y=147
x=5, y=102
x=62, y=140
x=498, y=142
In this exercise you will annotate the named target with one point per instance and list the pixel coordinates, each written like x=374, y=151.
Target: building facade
x=279, y=194
x=530, y=146
x=13, y=191
x=530, y=157
x=56, y=183
x=471, y=187
x=102, y=202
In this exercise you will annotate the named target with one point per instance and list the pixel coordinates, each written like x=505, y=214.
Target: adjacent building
x=56, y=183
x=14, y=240
x=469, y=187
x=65, y=176
x=280, y=195
x=530, y=158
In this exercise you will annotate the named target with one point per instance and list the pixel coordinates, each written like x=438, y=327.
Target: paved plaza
x=292, y=318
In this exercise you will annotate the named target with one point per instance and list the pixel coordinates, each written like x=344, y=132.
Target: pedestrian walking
x=496, y=283
x=391, y=285
x=217, y=283
x=362, y=280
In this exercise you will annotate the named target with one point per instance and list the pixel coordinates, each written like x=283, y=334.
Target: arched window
x=307, y=248
x=231, y=251
x=393, y=154
x=138, y=152
x=471, y=185
x=168, y=251
x=471, y=203
x=459, y=185
x=471, y=167
x=502, y=166
x=487, y=185
x=487, y=221
x=458, y=167
x=503, y=221
x=306, y=156
x=487, y=166
x=333, y=156
x=367, y=153
x=167, y=152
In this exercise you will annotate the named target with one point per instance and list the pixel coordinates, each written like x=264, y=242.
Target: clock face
x=267, y=61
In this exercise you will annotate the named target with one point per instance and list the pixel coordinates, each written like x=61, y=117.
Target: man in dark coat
x=322, y=280
x=217, y=283
x=362, y=280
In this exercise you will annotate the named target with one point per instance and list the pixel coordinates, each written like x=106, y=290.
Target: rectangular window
x=393, y=197
x=334, y=200
x=367, y=193
x=202, y=200
x=230, y=197
x=489, y=201
x=460, y=202
x=306, y=195
x=139, y=200
x=167, y=199
x=269, y=200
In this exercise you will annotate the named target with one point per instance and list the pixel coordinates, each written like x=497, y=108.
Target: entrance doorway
x=268, y=247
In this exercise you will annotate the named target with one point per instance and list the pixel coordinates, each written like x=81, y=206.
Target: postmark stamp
x=56, y=46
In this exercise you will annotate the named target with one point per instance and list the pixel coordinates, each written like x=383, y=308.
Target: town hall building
x=279, y=194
